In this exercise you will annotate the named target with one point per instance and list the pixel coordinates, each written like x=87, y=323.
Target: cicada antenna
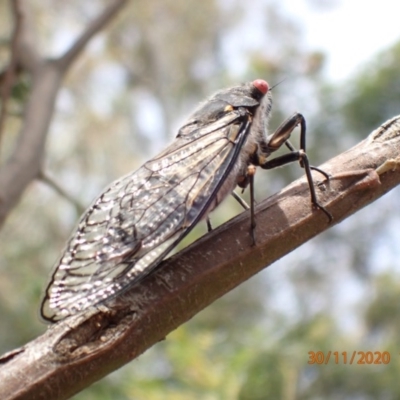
x=276, y=84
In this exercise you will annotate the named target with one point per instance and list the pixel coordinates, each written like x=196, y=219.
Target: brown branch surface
x=82, y=349
x=26, y=161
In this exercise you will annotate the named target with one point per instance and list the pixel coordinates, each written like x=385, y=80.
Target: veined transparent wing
x=139, y=218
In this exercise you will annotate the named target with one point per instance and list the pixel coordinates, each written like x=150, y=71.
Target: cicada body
x=142, y=216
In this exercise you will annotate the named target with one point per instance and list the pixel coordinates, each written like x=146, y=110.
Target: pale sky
x=350, y=33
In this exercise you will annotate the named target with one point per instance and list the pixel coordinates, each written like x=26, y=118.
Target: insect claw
x=253, y=235
x=209, y=226
x=321, y=171
x=324, y=210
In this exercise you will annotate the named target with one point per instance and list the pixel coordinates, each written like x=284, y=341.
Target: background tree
x=123, y=99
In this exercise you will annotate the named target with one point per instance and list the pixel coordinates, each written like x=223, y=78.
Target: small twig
x=94, y=27
x=61, y=191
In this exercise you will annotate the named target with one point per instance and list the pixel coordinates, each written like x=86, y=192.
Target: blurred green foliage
x=373, y=96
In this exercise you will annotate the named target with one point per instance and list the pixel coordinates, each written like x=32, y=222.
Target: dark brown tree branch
x=26, y=161
x=82, y=349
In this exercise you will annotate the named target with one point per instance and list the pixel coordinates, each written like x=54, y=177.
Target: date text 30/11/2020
x=351, y=357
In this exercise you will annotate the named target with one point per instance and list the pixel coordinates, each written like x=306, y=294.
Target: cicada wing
x=137, y=220
x=113, y=244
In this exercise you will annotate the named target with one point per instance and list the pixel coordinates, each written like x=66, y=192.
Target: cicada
x=141, y=217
